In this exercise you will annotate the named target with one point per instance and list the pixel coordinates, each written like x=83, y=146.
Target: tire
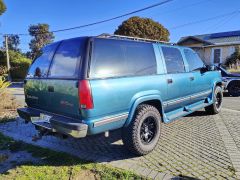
x=142, y=134
x=215, y=108
x=234, y=89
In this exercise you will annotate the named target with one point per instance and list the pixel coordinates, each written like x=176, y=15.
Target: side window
x=115, y=58
x=140, y=58
x=173, y=59
x=194, y=61
x=40, y=65
x=107, y=59
x=67, y=58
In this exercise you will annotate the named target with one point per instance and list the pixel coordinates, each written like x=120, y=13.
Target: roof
x=222, y=38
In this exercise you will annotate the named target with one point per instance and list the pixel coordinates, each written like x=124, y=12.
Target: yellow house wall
x=226, y=51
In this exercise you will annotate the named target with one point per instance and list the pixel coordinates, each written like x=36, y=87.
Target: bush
x=19, y=68
x=7, y=102
x=19, y=64
x=3, y=70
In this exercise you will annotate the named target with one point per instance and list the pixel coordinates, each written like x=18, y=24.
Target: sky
x=60, y=14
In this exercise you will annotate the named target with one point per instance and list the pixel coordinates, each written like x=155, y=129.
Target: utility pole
x=7, y=55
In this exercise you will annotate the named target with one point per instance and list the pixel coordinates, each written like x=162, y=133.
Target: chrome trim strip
x=107, y=120
x=171, y=102
x=176, y=101
x=201, y=94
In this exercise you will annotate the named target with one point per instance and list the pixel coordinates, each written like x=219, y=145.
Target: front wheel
x=215, y=108
x=142, y=134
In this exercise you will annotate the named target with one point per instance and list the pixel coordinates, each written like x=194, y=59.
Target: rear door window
x=194, y=61
x=173, y=59
x=67, y=58
x=40, y=65
x=118, y=58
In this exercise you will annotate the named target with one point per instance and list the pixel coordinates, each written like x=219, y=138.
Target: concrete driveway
x=196, y=146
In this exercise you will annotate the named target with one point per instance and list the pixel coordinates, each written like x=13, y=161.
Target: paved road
x=197, y=146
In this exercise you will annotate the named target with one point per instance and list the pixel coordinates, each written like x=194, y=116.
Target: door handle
x=169, y=81
x=191, y=78
x=50, y=89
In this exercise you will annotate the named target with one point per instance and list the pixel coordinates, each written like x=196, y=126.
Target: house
x=213, y=48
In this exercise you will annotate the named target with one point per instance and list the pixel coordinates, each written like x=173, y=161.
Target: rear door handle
x=50, y=89
x=169, y=81
x=191, y=78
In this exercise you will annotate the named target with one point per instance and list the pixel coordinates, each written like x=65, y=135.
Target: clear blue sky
x=67, y=13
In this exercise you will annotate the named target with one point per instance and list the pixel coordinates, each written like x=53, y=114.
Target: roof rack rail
x=106, y=35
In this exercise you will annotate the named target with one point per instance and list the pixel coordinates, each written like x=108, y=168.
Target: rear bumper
x=55, y=123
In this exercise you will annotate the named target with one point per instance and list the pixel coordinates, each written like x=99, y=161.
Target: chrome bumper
x=55, y=123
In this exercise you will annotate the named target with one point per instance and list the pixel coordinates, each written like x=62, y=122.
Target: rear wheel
x=215, y=108
x=142, y=134
x=234, y=89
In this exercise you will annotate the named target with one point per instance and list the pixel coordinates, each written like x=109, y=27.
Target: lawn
x=54, y=165
x=234, y=70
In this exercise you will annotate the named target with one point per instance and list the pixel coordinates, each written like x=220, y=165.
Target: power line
x=106, y=20
x=182, y=7
x=205, y=20
x=117, y=17
x=223, y=22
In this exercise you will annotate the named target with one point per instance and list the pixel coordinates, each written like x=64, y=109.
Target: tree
x=234, y=58
x=143, y=28
x=13, y=42
x=2, y=7
x=41, y=37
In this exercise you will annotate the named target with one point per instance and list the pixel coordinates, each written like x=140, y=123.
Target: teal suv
x=90, y=85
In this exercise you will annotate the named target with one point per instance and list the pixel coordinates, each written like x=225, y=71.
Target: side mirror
x=207, y=68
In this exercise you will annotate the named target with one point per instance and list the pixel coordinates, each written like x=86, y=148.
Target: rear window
x=40, y=65
x=116, y=58
x=67, y=58
x=173, y=59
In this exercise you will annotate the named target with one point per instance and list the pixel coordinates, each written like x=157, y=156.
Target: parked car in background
x=90, y=85
x=231, y=81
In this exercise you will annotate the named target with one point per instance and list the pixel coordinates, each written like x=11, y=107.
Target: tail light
x=85, y=95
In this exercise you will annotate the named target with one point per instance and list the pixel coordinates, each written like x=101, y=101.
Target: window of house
x=173, y=59
x=194, y=61
x=116, y=58
x=216, y=56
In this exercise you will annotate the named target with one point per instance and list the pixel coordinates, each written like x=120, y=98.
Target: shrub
x=19, y=64
x=3, y=85
x=19, y=68
x=3, y=70
x=7, y=102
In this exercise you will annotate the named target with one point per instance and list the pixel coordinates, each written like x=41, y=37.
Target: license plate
x=44, y=117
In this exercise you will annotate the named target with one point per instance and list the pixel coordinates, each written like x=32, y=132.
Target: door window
x=40, y=65
x=67, y=58
x=173, y=59
x=194, y=61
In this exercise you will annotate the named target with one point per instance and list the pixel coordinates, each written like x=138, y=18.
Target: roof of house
x=222, y=38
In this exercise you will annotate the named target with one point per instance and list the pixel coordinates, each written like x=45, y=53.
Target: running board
x=170, y=116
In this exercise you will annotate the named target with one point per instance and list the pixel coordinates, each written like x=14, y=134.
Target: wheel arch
x=154, y=100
